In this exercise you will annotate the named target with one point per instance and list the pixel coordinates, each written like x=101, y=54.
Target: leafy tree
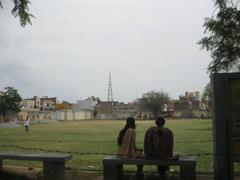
x=154, y=102
x=97, y=99
x=66, y=102
x=207, y=95
x=21, y=10
x=10, y=100
x=222, y=38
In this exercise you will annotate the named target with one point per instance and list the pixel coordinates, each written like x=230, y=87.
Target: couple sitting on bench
x=158, y=144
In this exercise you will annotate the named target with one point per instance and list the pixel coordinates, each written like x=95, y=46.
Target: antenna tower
x=110, y=94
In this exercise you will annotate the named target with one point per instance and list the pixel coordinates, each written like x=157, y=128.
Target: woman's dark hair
x=130, y=123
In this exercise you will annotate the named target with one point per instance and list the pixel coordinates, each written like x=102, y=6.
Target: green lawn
x=89, y=141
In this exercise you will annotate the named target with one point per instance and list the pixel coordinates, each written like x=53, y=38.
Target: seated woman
x=127, y=145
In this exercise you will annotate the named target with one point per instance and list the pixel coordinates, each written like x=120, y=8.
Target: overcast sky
x=73, y=45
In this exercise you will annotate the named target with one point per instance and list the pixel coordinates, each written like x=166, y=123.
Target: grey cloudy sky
x=73, y=44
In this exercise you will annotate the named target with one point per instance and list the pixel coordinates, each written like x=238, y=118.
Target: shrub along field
x=90, y=141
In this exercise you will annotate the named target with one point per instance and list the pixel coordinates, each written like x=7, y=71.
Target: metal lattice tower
x=110, y=94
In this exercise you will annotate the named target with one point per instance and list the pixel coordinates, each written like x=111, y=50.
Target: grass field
x=89, y=141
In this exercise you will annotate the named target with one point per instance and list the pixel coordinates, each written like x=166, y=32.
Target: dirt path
x=30, y=173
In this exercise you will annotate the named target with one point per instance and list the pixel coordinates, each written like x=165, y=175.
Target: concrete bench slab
x=113, y=166
x=53, y=164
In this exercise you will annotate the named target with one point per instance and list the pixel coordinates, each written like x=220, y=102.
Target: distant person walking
x=158, y=144
x=26, y=124
x=127, y=145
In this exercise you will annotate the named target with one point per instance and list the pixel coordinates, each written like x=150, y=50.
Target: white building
x=85, y=105
x=40, y=103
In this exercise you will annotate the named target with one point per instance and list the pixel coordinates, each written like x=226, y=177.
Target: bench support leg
x=113, y=171
x=53, y=170
x=187, y=172
x=1, y=165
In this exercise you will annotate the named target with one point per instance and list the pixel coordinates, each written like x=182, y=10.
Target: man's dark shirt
x=158, y=146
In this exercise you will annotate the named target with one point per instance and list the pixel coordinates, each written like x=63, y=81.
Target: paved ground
x=33, y=174
x=12, y=124
x=15, y=124
x=208, y=177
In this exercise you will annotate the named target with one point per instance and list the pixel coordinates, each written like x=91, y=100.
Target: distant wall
x=56, y=115
x=73, y=115
x=103, y=116
x=192, y=114
x=1, y=119
x=123, y=115
x=36, y=115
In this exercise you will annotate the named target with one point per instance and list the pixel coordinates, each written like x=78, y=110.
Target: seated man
x=158, y=144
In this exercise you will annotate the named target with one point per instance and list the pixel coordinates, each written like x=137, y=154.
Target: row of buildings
x=188, y=105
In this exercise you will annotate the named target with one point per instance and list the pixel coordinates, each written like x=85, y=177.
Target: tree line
x=10, y=100
x=152, y=101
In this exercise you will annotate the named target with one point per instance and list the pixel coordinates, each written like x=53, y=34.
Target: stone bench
x=113, y=166
x=53, y=164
